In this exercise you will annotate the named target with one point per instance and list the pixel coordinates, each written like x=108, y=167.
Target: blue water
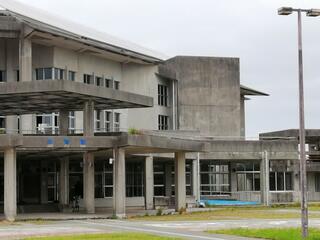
x=222, y=202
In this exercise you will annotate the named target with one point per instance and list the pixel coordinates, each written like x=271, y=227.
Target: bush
x=159, y=212
x=134, y=131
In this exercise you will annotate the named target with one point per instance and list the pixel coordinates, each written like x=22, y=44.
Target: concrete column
x=11, y=121
x=180, y=180
x=149, y=188
x=264, y=179
x=195, y=180
x=119, y=183
x=88, y=182
x=10, y=184
x=88, y=119
x=168, y=179
x=64, y=182
x=25, y=71
x=63, y=122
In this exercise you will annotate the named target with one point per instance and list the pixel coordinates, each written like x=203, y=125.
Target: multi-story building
x=85, y=114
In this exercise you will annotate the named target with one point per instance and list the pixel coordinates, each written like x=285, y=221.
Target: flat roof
x=250, y=91
x=45, y=21
x=53, y=95
x=311, y=135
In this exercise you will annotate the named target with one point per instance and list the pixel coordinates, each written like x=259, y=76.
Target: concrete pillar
x=11, y=121
x=25, y=71
x=88, y=182
x=88, y=119
x=119, y=183
x=64, y=182
x=63, y=122
x=149, y=188
x=195, y=179
x=10, y=184
x=180, y=180
x=168, y=179
x=264, y=179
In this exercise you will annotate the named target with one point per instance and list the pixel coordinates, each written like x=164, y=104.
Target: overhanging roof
x=250, y=91
x=53, y=95
x=44, y=21
x=312, y=135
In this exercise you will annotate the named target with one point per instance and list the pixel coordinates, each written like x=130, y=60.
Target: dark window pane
x=272, y=181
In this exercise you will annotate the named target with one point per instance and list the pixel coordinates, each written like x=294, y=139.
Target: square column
x=25, y=74
x=88, y=118
x=264, y=179
x=180, y=180
x=119, y=183
x=64, y=182
x=63, y=122
x=88, y=182
x=195, y=179
x=10, y=184
x=149, y=191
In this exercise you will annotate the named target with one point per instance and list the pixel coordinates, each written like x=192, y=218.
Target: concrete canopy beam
x=54, y=95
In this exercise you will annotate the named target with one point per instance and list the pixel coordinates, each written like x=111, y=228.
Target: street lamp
x=303, y=174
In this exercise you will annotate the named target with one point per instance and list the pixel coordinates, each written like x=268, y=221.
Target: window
x=72, y=122
x=58, y=73
x=52, y=182
x=317, y=182
x=3, y=77
x=47, y=123
x=159, y=179
x=116, y=122
x=214, y=178
x=163, y=95
x=44, y=73
x=163, y=122
x=134, y=179
x=87, y=79
x=248, y=176
x=99, y=81
x=17, y=75
x=108, y=179
x=97, y=120
x=2, y=123
x=71, y=76
x=108, y=83
x=281, y=181
x=116, y=85
x=107, y=121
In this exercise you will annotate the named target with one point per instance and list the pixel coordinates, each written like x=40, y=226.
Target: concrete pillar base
x=119, y=183
x=180, y=181
x=149, y=192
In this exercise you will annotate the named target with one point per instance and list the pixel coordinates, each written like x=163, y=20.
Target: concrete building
x=87, y=115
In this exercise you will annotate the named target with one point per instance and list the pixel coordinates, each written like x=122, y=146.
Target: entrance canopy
x=47, y=96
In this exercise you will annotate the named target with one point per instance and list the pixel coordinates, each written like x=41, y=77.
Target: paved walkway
x=181, y=229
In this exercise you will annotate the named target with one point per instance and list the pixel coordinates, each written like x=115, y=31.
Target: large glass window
x=99, y=81
x=108, y=179
x=87, y=78
x=107, y=121
x=2, y=123
x=97, y=120
x=3, y=77
x=47, y=123
x=72, y=122
x=159, y=179
x=71, y=75
x=163, y=122
x=134, y=179
x=163, y=96
x=108, y=83
x=281, y=181
x=248, y=176
x=116, y=85
x=116, y=124
x=58, y=73
x=214, y=178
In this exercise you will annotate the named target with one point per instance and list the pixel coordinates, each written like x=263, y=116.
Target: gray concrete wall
x=208, y=94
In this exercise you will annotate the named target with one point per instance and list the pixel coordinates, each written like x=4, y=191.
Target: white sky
x=250, y=29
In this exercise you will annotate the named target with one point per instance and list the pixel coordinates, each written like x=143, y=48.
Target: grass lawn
x=271, y=233
x=227, y=213
x=111, y=236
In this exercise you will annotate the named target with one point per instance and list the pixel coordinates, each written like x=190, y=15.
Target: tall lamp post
x=303, y=173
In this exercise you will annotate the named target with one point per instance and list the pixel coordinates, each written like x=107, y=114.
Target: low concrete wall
x=281, y=197
x=108, y=202
x=247, y=196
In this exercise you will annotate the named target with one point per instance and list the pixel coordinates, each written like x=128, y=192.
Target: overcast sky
x=249, y=29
